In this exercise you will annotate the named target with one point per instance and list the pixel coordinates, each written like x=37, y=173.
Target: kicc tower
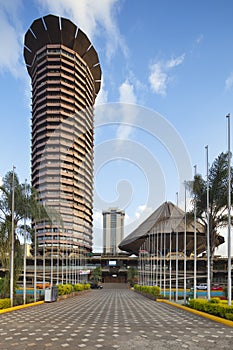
x=66, y=76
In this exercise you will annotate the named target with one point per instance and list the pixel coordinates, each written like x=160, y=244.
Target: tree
x=218, y=200
x=96, y=275
x=132, y=275
x=25, y=206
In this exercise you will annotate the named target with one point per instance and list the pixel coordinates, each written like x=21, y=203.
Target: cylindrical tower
x=66, y=76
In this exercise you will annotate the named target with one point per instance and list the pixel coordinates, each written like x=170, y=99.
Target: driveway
x=110, y=319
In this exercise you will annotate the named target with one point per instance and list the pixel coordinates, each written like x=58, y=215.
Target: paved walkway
x=110, y=319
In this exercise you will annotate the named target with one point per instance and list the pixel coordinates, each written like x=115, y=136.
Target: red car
x=217, y=288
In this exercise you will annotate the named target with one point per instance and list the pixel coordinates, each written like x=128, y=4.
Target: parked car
x=202, y=286
x=95, y=285
x=217, y=287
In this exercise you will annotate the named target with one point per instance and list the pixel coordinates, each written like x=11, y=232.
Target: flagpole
x=195, y=241
x=229, y=292
x=12, y=238
x=177, y=262
x=208, y=226
x=185, y=241
x=25, y=248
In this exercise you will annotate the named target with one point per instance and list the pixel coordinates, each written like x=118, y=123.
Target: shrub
x=156, y=291
x=229, y=316
x=152, y=290
x=215, y=300
x=5, y=303
x=78, y=287
x=64, y=289
x=216, y=307
x=87, y=286
x=81, y=286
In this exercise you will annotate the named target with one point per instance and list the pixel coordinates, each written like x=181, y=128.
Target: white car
x=202, y=286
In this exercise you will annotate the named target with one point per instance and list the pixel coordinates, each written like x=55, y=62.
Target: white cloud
x=11, y=38
x=98, y=219
x=173, y=62
x=158, y=79
x=229, y=82
x=127, y=94
x=98, y=231
x=0, y=181
x=199, y=39
x=95, y=18
x=160, y=76
x=141, y=213
x=102, y=96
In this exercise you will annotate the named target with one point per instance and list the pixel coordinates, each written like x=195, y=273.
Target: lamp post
x=229, y=215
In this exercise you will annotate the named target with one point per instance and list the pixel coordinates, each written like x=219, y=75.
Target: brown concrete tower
x=66, y=76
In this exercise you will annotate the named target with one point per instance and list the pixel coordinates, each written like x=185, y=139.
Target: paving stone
x=110, y=319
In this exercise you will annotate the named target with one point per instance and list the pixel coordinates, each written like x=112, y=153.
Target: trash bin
x=54, y=293
x=51, y=294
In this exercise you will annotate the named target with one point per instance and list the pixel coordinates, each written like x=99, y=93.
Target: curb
x=199, y=313
x=14, y=308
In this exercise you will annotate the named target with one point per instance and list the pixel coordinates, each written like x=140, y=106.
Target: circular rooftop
x=55, y=30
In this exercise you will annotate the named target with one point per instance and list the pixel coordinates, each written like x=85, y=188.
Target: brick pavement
x=110, y=319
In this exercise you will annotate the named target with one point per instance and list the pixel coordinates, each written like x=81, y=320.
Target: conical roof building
x=166, y=219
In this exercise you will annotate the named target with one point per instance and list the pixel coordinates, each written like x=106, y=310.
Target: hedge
x=69, y=288
x=81, y=286
x=5, y=303
x=214, y=307
x=152, y=290
x=64, y=289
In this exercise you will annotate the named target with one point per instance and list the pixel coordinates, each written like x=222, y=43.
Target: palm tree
x=218, y=201
x=25, y=206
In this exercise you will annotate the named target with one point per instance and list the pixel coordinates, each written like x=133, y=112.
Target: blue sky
x=173, y=60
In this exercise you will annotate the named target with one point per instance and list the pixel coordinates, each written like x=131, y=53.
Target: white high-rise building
x=113, y=230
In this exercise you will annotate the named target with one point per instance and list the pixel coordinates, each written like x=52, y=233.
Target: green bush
x=214, y=307
x=81, y=286
x=152, y=290
x=229, y=316
x=215, y=300
x=64, y=289
x=87, y=286
x=78, y=287
x=156, y=291
x=5, y=303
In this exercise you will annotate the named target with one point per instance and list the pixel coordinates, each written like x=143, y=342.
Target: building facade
x=65, y=76
x=113, y=230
